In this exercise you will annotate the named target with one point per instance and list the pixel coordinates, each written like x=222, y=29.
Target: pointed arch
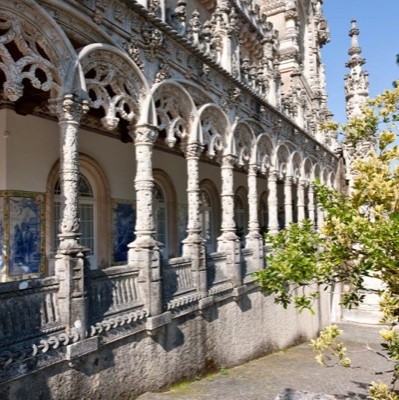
x=264, y=152
x=112, y=83
x=211, y=129
x=307, y=169
x=295, y=165
x=282, y=159
x=242, y=143
x=174, y=109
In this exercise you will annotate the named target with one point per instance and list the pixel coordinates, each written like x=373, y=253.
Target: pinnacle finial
x=355, y=49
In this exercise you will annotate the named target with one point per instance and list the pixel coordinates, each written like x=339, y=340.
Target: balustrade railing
x=113, y=290
x=28, y=309
x=177, y=278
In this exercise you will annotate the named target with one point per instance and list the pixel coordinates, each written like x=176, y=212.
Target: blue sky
x=379, y=40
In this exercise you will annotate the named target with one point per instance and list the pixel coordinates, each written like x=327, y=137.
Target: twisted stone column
x=253, y=223
x=70, y=257
x=272, y=201
x=228, y=224
x=254, y=239
x=301, y=200
x=144, y=251
x=229, y=242
x=288, y=201
x=194, y=244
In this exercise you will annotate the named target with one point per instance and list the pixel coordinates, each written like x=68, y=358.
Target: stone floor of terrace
x=285, y=373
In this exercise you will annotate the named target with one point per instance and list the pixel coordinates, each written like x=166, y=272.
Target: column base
x=229, y=243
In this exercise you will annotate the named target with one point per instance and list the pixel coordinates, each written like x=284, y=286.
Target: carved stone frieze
x=163, y=73
x=154, y=41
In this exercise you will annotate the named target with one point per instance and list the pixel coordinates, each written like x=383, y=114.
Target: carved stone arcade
x=162, y=84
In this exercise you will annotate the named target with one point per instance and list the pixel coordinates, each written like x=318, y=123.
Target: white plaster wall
x=176, y=168
x=33, y=148
x=211, y=172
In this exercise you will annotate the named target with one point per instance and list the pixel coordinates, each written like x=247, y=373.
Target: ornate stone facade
x=185, y=131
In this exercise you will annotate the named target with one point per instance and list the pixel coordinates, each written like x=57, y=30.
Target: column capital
x=288, y=180
x=193, y=150
x=144, y=134
x=69, y=108
x=253, y=169
x=229, y=160
x=273, y=175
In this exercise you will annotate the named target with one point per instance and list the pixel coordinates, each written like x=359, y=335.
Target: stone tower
x=356, y=94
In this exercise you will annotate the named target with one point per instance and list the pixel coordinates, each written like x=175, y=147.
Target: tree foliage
x=360, y=234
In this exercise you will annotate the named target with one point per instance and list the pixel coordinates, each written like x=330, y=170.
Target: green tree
x=359, y=238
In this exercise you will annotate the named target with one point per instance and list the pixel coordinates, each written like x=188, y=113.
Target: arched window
x=207, y=223
x=94, y=213
x=160, y=218
x=87, y=214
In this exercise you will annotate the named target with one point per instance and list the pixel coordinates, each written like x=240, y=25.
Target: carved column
x=194, y=244
x=70, y=257
x=229, y=242
x=254, y=239
x=301, y=200
x=272, y=201
x=144, y=251
x=311, y=204
x=288, y=200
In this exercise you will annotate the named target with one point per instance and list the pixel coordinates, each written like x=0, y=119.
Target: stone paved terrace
x=286, y=372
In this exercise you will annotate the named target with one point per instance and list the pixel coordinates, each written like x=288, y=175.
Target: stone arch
x=264, y=152
x=282, y=159
x=35, y=53
x=307, y=168
x=93, y=171
x=211, y=129
x=113, y=85
x=332, y=180
x=325, y=174
x=175, y=111
x=242, y=142
x=316, y=172
x=166, y=183
x=295, y=165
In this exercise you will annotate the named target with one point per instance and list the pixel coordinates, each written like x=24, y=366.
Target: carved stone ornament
x=34, y=58
x=153, y=40
x=69, y=109
x=163, y=73
x=145, y=134
x=174, y=114
x=134, y=53
x=112, y=85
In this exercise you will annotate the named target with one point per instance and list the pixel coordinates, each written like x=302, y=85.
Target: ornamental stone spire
x=356, y=81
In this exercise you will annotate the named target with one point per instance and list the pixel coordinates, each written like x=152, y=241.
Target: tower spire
x=356, y=81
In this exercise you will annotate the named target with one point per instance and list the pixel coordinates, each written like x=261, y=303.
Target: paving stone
x=293, y=373
x=301, y=395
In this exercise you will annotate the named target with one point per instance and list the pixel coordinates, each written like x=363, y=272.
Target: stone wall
x=224, y=334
